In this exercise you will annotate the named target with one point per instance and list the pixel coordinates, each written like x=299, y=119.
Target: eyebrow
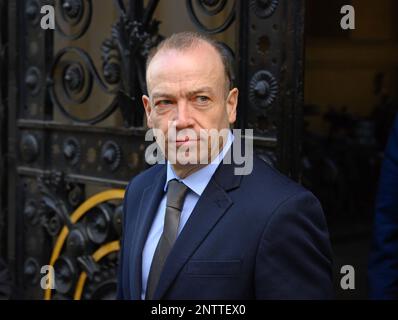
x=189, y=93
x=200, y=90
x=162, y=95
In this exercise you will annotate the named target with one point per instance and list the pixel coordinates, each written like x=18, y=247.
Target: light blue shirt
x=196, y=182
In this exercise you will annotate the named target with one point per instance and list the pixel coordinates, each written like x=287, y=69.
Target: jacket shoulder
x=145, y=178
x=141, y=181
x=271, y=180
x=267, y=188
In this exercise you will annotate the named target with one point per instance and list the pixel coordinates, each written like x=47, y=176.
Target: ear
x=232, y=103
x=147, y=106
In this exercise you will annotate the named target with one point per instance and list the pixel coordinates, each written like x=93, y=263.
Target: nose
x=183, y=117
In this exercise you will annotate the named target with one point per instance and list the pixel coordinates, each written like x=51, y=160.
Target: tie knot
x=176, y=192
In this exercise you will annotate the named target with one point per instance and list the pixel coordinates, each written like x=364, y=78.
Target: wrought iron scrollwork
x=71, y=150
x=129, y=45
x=110, y=62
x=65, y=270
x=77, y=14
x=99, y=224
x=85, y=237
x=210, y=8
x=88, y=246
x=263, y=89
x=75, y=194
x=76, y=80
x=31, y=270
x=77, y=243
x=29, y=147
x=123, y=62
x=117, y=220
x=53, y=207
x=32, y=11
x=33, y=80
x=111, y=155
x=264, y=8
x=31, y=212
x=102, y=286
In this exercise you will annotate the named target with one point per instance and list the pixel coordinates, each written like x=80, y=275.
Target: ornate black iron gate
x=75, y=123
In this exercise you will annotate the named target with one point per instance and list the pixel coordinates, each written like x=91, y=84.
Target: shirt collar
x=198, y=180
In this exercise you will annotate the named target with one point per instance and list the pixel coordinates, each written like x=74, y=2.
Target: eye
x=163, y=103
x=202, y=99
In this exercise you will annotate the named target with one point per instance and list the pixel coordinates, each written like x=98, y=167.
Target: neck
x=186, y=170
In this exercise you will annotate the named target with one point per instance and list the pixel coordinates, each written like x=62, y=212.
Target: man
x=200, y=231
x=383, y=262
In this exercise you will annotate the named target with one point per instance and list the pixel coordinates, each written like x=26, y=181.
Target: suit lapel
x=150, y=200
x=210, y=208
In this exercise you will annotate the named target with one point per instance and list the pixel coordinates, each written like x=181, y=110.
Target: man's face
x=187, y=93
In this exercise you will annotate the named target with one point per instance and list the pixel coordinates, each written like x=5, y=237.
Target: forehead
x=200, y=65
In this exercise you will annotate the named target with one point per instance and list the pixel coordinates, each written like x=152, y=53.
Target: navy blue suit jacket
x=259, y=236
x=383, y=263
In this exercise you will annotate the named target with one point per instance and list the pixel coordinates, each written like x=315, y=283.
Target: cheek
x=162, y=124
x=159, y=121
x=221, y=119
x=215, y=118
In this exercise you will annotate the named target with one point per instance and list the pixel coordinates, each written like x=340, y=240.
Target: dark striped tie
x=176, y=192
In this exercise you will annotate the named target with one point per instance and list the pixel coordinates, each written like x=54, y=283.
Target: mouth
x=185, y=141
